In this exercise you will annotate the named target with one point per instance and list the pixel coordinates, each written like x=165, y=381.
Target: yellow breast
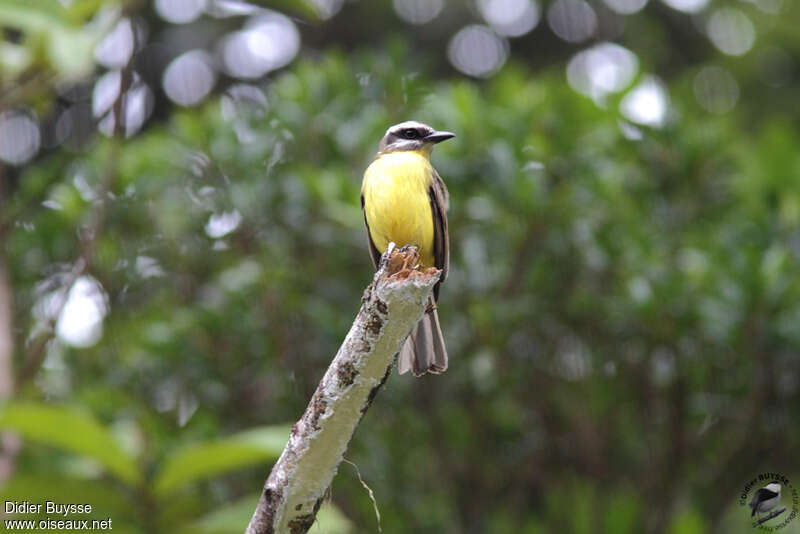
x=396, y=202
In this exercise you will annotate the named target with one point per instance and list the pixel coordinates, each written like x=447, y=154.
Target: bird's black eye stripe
x=410, y=133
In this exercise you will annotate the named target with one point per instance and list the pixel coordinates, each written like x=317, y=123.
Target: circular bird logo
x=771, y=500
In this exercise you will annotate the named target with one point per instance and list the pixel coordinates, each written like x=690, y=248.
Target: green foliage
x=227, y=519
x=53, y=39
x=688, y=522
x=80, y=434
x=621, y=312
x=592, y=273
x=302, y=8
x=230, y=519
x=203, y=460
x=72, y=431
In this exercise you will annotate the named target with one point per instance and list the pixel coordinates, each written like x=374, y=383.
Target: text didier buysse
x=49, y=507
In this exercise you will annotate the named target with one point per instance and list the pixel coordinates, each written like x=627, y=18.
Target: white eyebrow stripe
x=415, y=125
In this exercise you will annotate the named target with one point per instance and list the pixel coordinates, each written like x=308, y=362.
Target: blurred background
x=183, y=252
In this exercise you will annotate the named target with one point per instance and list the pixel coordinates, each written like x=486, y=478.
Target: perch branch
x=392, y=304
x=772, y=514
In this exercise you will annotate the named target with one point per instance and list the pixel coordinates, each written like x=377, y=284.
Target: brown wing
x=441, y=241
x=373, y=250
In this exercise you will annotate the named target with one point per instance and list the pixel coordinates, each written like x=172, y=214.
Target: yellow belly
x=396, y=202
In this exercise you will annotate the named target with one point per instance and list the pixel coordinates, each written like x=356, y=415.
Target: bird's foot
x=410, y=257
x=400, y=262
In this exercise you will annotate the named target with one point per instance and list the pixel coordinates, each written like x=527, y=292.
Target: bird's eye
x=410, y=133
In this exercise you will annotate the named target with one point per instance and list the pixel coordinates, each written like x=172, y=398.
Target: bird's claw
x=399, y=260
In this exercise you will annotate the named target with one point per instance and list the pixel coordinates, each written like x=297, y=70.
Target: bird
x=766, y=498
x=404, y=201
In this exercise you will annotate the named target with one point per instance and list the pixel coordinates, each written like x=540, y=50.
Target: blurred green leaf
x=54, y=35
x=71, y=431
x=80, y=10
x=13, y=59
x=331, y=520
x=32, y=14
x=623, y=513
x=70, y=51
x=302, y=8
x=227, y=519
x=203, y=460
x=75, y=13
x=233, y=519
x=688, y=522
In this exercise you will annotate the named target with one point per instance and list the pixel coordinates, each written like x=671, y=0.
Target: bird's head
x=774, y=487
x=412, y=135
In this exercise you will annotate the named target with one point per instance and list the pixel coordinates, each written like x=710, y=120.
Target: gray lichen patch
x=360, y=345
x=301, y=523
x=319, y=406
x=374, y=324
x=346, y=373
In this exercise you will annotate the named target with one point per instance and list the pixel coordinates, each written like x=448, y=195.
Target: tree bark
x=392, y=304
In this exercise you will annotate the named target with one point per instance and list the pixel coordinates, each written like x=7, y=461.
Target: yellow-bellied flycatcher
x=405, y=201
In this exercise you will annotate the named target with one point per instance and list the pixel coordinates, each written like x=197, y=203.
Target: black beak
x=438, y=137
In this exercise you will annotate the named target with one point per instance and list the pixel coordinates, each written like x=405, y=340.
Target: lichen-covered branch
x=391, y=306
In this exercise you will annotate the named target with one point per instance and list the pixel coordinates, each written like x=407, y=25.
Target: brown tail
x=423, y=351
